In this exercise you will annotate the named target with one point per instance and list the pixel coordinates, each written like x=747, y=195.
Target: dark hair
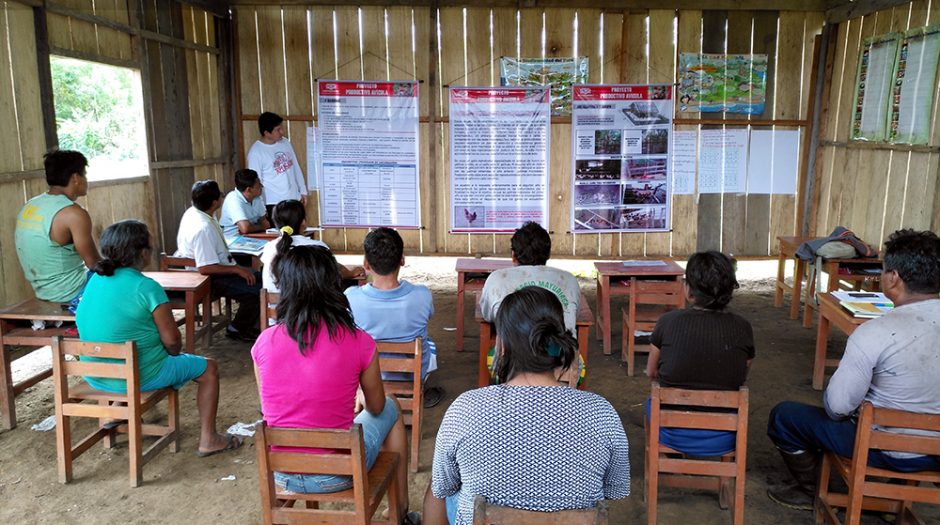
x=122, y=246
x=915, y=255
x=291, y=213
x=268, y=121
x=384, y=249
x=311, y=295
x=530, y=323
x=205, y=192
x=61, y=164
x=245, y=179
x=531, y=245
x=711, y=280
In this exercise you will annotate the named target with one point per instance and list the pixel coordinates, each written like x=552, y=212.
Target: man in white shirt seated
x=273, y=158
x=243, y=209
x=891, y=361
x=200, y=238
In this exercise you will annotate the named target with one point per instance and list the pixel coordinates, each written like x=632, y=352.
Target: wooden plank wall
x=196, y=93
x=623, y=46
x=874, y=189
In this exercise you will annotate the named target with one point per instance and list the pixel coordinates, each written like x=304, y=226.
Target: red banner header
x=622, y=92
x=483, y=95
x=368, y=89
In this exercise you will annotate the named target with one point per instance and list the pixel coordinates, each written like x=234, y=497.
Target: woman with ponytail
x=122, y=304
x=529, y=442
x=290, y=218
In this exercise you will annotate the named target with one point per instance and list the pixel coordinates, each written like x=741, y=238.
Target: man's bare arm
x=73, y=225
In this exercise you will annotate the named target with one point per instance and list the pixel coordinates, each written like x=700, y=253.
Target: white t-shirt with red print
x=279, y=170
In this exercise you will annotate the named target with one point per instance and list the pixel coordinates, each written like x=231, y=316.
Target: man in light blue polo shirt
x=394, y=310
x=243, y=210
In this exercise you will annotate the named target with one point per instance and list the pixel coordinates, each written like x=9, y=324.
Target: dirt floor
x=181, y=488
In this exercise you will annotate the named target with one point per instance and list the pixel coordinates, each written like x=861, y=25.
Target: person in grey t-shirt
x=890, y=361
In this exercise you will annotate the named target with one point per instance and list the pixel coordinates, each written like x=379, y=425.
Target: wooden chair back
x=171, y=263
x=268, y=308
x=485, y=513
x=872, y=488
x=128, y=407
x=647, y=301
x=349, y=459
x=697, y=409
x=406, y=357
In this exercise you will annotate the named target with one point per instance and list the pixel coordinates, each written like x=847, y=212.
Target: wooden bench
x=16, y=331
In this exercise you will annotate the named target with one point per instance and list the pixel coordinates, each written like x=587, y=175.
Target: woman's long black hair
x=530, y=325
x=289, y=213
x=311, y=295
x=123, y=245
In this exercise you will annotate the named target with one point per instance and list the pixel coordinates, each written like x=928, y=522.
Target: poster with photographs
x=873, y=87
x=621, y=145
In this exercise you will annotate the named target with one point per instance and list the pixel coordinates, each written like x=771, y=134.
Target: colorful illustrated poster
x=621, y=139
x=368, y=134
x=872, y=87
x=912, y=93
x=499, y=158
x=729, y=83
x=558, y=73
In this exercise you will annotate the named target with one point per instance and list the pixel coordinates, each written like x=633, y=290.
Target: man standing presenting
x=274, y=160
x=891, y=361
x=53, y=233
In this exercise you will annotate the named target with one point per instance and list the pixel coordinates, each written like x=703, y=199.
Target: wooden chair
x=268, y=309
x=671, y=468
x=646, y=303
x=487, y=514
x=127, y=408
x=410, y=394
x=872, y=488
x=170, y=263
x=366, y=492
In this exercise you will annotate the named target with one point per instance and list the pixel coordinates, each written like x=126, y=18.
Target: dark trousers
x=795, y=427
x=247, y=295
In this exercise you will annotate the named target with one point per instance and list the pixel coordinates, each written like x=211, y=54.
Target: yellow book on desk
x=865, y=309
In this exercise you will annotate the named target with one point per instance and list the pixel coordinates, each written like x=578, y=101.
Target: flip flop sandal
x=432, y=396
x=233, y=443
x=412, y=518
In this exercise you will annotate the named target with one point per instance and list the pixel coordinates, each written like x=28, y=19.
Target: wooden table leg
x=819, y=362
x=483, y=374
x=809, y=301
x=604, y=310
x=458, y=344
x=207, y=318
x=799, y=269
x=781, y=276
x=598, y=329
x=7, y=396
x=190, y=313
x=584, y=332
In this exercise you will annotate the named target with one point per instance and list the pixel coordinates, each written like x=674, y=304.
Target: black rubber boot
x=804, y=466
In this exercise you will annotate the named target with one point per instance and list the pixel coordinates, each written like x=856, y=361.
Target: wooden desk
x=832, y=268
x=471, y=274
x=488, y=338
x=196, y=290
x=830, y=311
x=622, y=278
x=271, y=236
x=12, y=333
x=788, y=247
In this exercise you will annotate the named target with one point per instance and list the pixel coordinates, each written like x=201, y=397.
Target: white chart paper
x=915, y=75
x=313, y=159
x=621, y=165
x=684, y=155
x=873, y=85
x=499, y=158
x=722, y=164
x=773, y=162
x=369, y=154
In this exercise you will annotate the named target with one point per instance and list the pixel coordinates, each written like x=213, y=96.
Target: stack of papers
x=246, y=245
x=309, y=231
x=633, y=263
x=866, y=305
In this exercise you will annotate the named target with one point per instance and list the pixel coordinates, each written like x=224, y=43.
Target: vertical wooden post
x=828, y=41
x=45, y=77
x=433, y=104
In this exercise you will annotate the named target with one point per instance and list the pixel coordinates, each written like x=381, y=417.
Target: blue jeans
x=374, y=431
x=697, y=442
x=796, y=427
x=247, y=295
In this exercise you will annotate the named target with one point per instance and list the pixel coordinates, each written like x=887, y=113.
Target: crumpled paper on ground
x=243, y=429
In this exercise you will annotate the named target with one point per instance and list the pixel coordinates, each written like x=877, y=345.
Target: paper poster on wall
x=621, y=158
x=729, y=83
x=313, y=159
x=872, y=87
x=369, y=154
x=722, y=165
x=499, y=158
x=558, y=73
x=773, y=157
x=913, y=89
x=684, y=153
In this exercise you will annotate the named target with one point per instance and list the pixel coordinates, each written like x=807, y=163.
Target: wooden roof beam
x=854, y=9
x=608, y=5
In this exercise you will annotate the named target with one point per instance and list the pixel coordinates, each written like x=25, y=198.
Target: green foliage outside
x=99, y=112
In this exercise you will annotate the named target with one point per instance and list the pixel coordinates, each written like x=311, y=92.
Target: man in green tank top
x=53, y=233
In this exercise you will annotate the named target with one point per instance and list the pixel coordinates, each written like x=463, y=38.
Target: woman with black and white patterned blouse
x=528, y=442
